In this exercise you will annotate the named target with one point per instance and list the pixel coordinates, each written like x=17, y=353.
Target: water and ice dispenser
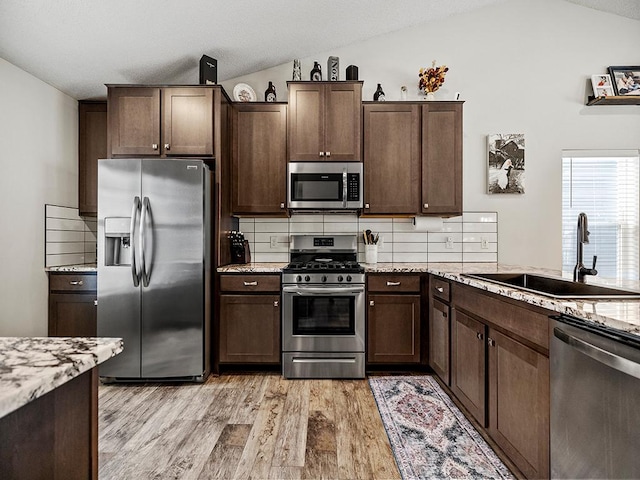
x=117, y=241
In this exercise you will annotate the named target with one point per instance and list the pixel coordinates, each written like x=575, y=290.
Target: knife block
x=241, y=253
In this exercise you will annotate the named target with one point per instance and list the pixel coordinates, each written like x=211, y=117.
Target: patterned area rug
x=429, y=435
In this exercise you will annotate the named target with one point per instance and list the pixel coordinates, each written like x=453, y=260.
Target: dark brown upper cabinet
x=325, y=121
x=160, y=121
x=259, y=159
x=92, y=145
x=413, y=158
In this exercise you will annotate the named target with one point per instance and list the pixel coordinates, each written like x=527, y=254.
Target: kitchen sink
x=555, y=287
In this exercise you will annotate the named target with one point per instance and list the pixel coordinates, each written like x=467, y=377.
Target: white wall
x=38, y=165
x=522, y=67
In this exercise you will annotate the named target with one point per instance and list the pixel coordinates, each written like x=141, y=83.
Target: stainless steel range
x=323, y=319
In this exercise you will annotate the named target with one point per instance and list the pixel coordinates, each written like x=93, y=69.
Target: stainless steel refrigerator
x=154, y=278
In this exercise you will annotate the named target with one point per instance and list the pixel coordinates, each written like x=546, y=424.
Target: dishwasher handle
x=600, y=355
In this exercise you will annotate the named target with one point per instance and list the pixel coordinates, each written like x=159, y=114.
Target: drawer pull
x=76, y=282
x=480, y=336
x=491, y=342
x=440, y=289
x=251, y=284
x=371, y=303
x=393, y=284
x=276, y=303
x=95, y=303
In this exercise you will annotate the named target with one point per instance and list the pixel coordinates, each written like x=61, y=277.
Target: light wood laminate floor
x=243, y=426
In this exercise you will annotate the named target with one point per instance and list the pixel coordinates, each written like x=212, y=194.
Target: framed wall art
x=505, y=163
x=602, y=86
x=626, y=80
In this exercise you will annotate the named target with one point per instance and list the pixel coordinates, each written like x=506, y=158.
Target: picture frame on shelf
x=626, y=80
x=602, y=85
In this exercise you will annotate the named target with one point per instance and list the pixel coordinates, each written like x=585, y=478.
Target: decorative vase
x=333, y=69
x=270, y=93
x=431, y=96
x=379, y=95
x=316, y=73
x=297, y=73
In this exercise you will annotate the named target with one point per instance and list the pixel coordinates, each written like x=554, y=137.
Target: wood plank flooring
x=257, y=426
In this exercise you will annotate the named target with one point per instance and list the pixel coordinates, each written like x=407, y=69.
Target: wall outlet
x=484, y=243
x=274, y=241
x=449, y=243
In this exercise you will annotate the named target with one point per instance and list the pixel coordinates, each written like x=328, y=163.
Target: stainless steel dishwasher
x=595, y=401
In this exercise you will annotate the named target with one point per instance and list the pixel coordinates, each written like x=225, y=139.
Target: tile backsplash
x=69, y=239
x=471, y=237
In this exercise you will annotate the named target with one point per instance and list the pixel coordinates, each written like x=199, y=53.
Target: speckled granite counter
x=33, y=366
x=620, y=314
x=73, y=268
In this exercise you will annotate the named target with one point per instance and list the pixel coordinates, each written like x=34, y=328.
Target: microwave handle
x=344, y=187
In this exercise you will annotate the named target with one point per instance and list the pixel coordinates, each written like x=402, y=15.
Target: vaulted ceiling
x=79, y=45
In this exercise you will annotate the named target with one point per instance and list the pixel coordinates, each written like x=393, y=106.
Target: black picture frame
x=621, y=76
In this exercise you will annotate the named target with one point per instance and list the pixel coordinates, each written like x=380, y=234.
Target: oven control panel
x=327, y=278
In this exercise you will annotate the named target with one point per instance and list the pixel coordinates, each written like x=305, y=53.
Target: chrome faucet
x=580, y=271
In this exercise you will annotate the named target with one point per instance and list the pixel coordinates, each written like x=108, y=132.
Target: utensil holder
x=371, y=254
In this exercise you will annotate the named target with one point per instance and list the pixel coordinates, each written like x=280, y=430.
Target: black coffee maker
x=240, y=252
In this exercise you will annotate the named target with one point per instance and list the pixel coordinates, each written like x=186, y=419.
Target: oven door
x=323, y=318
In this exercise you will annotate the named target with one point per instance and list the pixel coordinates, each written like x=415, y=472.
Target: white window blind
x=605, y=186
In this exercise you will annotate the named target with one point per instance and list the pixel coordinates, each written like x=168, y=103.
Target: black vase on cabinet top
x=270, y=93
x=379, y=95
x=316, y=73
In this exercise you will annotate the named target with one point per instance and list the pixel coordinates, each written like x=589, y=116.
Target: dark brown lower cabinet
x=393, y=329
x=519, y=403
x=439, y=339
x=72, y=305
x=468, y=367
x=249, y=328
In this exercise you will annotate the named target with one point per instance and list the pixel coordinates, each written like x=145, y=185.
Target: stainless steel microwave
x=324, y=185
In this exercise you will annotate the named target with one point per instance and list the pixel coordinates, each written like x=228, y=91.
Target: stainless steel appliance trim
x=344, y=187
x=323, y=365
x=325, y=168
x=319, y=290
x=607, y=358
x=143, y=260
x=324, y=360
x=132, y=231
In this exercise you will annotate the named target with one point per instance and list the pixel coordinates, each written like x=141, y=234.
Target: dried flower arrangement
x=431, y=79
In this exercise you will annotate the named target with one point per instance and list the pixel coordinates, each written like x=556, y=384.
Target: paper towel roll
x=427, y=224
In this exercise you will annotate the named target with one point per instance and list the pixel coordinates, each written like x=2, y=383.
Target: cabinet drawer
x=73, y=282
x=250, y=283
x=440, y=289
x=394, y=283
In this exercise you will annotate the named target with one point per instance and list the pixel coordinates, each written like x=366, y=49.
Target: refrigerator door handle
x=134, y=267
x=143, y=261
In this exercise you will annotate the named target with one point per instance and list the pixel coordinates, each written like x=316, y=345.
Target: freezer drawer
x=323, y=365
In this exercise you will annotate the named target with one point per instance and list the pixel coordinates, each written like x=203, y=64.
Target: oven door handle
x=323, y=291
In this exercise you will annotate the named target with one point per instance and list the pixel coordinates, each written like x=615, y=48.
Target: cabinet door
x=259, y=159
x=468, y=366
x=249, y=328
x=439, y=346
x=393, y=328
x=72, y=315
x=134, y=121
x=519, y=403
x=442, y=158
x=187, y=121
x=92, y=145
x=305, y=123
x=343, y=121
x=392, y=158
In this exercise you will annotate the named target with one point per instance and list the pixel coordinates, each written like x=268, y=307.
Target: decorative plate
x=244, y=93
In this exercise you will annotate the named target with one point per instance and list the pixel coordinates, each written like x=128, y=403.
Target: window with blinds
x=605, y=186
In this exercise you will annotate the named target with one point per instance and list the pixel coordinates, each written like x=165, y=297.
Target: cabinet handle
x=479, y=335
x=328, y=154
x=321, y=154
x=393, y=284
x=282, y=205
x=95, y=303
x=444, y=314
x=76, y=282
x=366, y=205
x=372, y=303
x=491, y=342
x=276, y=303
x=154, y=146
x=251, y=284
x=440, y=289
x=167, y=146
x=426, y=205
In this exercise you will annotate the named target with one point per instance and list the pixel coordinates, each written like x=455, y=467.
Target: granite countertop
x=84, y=268
x=619, y=314
x=33, y=366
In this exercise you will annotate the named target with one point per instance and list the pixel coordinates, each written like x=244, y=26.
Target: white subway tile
x=89, y=247
x=65, y=259
x=65, y=224
x=480, y=217
x=451, y=227
x=441, y=237
x=306, y=218
x=260, y=257
x=307, y=227
x=267, y=248
x=271, y=220
x=276, y=227
x=246, y=225
x=410, y=237
x=457, y=219
x=480, y=227
x=340, y=218
x=89, y=236
x=474, y=237
x=58, y=248
x=445, y=257
x=90, y=257
x=65, y=236
x=375, y=225
x=404, y=227
x=480, y=257
x=409, y=247
x=249, y=236
x=54, y=211
x=384, y=257
x=492, y=247
x=441, y=247
x=345, y=227
x=410, y=257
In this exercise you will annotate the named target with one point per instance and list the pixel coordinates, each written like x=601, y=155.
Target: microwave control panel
x=353, y=187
